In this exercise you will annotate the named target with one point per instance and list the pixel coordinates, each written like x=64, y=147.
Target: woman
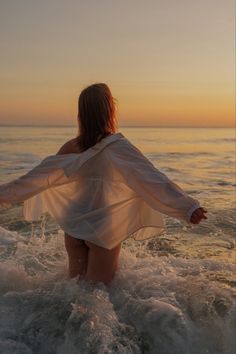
x=96, y=120
x=101, y=189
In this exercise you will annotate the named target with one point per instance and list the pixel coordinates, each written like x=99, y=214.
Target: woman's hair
x=96, y=115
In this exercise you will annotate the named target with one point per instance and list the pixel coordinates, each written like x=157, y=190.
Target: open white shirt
x=103, y=195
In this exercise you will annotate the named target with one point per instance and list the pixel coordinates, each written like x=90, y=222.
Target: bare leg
x=102, y=263
x=77, y=252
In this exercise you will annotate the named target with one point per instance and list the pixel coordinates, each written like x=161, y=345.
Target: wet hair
x=96, y=115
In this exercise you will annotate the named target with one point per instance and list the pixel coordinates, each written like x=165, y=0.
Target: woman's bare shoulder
x=71, y=146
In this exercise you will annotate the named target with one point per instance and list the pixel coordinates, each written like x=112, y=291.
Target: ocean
x=172, y=294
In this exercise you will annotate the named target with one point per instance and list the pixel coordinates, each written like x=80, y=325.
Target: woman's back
x=107, y=193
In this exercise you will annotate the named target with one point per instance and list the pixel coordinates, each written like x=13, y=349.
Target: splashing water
x=154, y=304
x=173, y=294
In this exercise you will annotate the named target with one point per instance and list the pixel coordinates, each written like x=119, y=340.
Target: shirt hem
x=130, y=235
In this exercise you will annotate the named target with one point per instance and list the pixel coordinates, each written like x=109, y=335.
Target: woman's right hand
x=198, y=215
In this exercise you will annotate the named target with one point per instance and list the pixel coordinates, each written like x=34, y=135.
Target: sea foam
x=153, y=305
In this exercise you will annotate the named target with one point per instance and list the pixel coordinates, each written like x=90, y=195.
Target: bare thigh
x=102, y=263
x=77, y=252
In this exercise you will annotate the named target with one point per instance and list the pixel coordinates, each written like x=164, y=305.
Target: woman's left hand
x=198, y=215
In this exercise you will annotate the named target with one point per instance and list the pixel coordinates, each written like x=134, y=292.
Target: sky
x=167, y=62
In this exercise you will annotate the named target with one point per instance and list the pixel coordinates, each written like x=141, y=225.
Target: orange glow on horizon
x=167, y=66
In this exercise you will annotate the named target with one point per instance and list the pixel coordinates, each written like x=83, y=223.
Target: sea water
x=172, y=294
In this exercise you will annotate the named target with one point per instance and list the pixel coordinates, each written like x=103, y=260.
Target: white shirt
x=103, y=195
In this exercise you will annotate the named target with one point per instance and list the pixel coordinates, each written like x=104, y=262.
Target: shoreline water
x=180, y=285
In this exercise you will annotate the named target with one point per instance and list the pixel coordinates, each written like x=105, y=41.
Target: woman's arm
x=39, y=178
x=26, y=186
x=150, y=184
x=48, y=172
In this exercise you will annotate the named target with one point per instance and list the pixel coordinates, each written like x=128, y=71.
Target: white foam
x=153, y=305
x=8, y=237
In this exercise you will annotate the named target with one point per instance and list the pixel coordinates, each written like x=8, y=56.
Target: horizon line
x=121, y=126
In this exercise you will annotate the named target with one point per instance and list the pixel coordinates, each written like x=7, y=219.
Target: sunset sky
x=167, y=62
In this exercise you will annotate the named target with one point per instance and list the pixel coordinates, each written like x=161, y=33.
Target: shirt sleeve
x=40, y=178
x=152, y=185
